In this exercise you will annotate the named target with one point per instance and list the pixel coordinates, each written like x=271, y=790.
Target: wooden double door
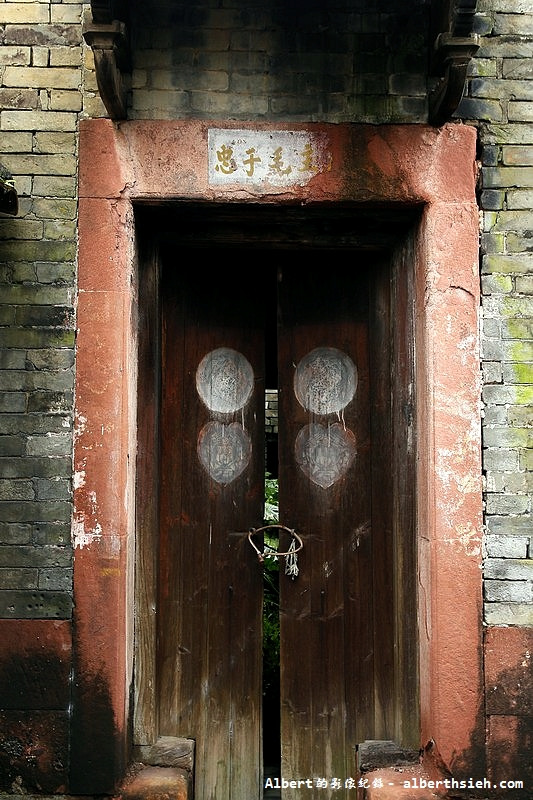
x=327, y=338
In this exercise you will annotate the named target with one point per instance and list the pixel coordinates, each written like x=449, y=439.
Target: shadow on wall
x=41, y=742
x=509, y=739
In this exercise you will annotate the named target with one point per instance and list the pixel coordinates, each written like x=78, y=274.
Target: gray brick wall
x=338, y=61
x=40, y=75
x=498, y=101
x=272, y=60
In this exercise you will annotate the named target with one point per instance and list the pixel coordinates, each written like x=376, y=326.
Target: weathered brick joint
x=338, y=63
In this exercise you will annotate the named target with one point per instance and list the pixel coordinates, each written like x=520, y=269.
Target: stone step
x=157, y=783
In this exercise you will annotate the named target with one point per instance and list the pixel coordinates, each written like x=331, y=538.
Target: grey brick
x=507, y=504
x=499, y=546
x=18, y=579
x=53, y=444
x=32, y=467
x=509, y=614
x=509, y=569
x=15, y=534
x=16, y=490
x=509, y=526
x=37, y=557
x=12, y=402
x=35, y=605
x=47, y=511
x=55, y=579
x=509, y=591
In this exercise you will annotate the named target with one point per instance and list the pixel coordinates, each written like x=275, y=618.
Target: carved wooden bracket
x=453, y=50
x=108, y=37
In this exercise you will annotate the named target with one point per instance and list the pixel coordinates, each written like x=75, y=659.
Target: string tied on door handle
x=291, y=557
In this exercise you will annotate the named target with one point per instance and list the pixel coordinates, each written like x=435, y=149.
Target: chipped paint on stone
x=79, y=479
x=80, y=537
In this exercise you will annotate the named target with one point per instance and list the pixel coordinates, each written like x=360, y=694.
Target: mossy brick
x=500, y=503
x=66, y=56
x=12, y=402
x=471, y=108
x=12, y=445
x=513, y=24
x=7, y=315
x=38, y=295
x=61, y=274
x=55, y=580
x=517, y=155
x=34, y=423
x=50, y=402
x=14, y=56
x=20, y=229
x=65, y=100
x=498, y=546
x=51, y=360
x=509, y=614
x=56, y=207
x=524, y=285
x=51, y=444
x=37, y=557
x=518, y=374
x=496, y=88
x=518, y=328
x=37, y=251
x=509, y=526
x=492, y=243
x=42, y=77
x=65, y=13
x=496, y=283
x=520, y=199
x=38, y=120
x=54, y=186
x=26, y=604
x=507, y=177
x=520, y=111
x=508, y=591
x=45, y=316
x=12, y=359
x=27, y=13
x=15, y=534
x=19, y=579
x=18, y=98
x=42, y=35
x=30, y=380
x=42, y=467
x=21, y=489
x=52, y=489
x=516, y=307
x=36, y=337
x=519, y=242
x=516, y=263
x=43, y=164
x=508, y=437
x=492, y=199
x=16, y=142
x=62, y=230
x=51, y=533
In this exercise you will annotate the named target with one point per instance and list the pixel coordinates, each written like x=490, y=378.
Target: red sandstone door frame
x=142, y=161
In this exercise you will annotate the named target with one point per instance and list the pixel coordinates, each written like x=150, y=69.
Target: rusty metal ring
x=252, y=532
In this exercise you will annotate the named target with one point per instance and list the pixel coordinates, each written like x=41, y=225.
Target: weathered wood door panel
x=212, y=479
x=327, y=647
x=348, y=629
